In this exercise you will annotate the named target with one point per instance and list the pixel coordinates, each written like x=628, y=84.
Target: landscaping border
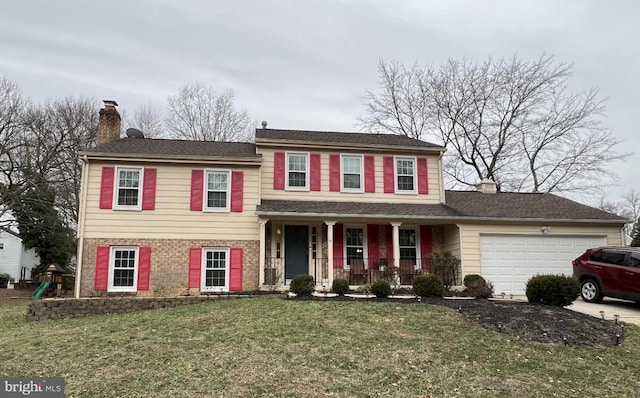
x=76, y=308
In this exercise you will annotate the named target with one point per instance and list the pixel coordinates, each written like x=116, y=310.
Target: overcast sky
x=307, y=64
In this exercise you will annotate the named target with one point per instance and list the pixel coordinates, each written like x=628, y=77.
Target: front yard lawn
x=272, y=347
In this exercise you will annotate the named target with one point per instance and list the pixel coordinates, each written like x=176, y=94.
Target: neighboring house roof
x=340, y=139
x=174, y=149
x=460, y=205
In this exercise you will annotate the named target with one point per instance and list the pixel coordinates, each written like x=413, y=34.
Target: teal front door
x=296, y=250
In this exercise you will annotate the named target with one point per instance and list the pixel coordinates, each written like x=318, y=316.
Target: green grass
x=277, y=348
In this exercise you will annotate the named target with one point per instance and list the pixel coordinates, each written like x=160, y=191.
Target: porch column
x=396, y=243
x=330, y=225
x=262, y=251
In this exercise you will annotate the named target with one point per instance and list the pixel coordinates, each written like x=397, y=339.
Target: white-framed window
x=409, y=245
x=354, y=244
x=215, y=269
x=123, y=269
x=352, y=176
x=298, y=171
x=217, y=193
x=405, y=169
x=128, y=190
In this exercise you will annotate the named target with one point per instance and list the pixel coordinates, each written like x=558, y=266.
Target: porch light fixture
x=278, y=231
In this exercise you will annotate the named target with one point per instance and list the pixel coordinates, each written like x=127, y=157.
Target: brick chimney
x=108, y=123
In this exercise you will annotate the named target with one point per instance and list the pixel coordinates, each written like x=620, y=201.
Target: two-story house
x=168, y=216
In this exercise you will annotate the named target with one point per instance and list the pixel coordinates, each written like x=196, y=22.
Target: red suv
x=609, y=271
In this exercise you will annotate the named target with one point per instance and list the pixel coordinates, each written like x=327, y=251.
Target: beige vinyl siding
x=470, y=233
x=452, y=240
x=268, y=192
x=172, y=217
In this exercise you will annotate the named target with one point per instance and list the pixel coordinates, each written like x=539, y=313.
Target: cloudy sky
x=307, y=64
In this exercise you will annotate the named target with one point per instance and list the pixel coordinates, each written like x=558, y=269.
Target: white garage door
x=510, y=260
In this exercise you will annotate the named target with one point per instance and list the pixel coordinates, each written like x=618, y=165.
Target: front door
x=296, y=250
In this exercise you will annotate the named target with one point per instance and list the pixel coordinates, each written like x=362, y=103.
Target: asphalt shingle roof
x=324, y=137
x=178, y=148
x=459, y=205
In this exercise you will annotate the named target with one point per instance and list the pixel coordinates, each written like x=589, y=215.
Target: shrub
x=479, y=288
x=557, y=290
x=4, y=280
x=303, y=285
x=469, y=279
x=445, y=265
x=381, y=288
x=364, y=289
x=428, y=285
x=340, y=286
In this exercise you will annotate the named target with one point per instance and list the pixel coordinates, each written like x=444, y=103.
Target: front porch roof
x=327, y=209
x=459, y=206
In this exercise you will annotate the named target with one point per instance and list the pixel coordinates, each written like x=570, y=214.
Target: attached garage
x=510, y=260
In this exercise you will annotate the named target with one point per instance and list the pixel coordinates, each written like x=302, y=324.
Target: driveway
x=628, y=310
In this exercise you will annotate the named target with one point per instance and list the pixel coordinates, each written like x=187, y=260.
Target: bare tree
x=148, y=119
x=628, y=207
x=199, y=113
x=512, y=121
x=11, y=107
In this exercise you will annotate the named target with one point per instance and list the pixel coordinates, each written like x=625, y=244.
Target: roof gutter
x=135, y=157
x=343, y=145
x=437, y=218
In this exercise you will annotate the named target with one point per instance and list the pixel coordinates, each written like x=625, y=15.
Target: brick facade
x=169, y=264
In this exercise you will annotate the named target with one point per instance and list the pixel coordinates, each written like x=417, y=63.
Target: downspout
x=81, y=217
x=441, y=178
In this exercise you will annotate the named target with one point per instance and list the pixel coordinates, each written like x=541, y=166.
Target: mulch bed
x=523, y=321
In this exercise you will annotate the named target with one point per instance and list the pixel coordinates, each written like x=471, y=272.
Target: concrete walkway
x=628, y=310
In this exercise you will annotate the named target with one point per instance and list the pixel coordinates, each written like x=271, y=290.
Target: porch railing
x=364, y=270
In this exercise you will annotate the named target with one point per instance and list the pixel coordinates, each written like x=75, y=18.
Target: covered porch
x=360, y=251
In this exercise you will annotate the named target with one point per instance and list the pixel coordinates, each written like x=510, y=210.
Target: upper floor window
x=128, y=192
x=352, y=176
x=405, y=175
x=217, y=192
x=298, y=171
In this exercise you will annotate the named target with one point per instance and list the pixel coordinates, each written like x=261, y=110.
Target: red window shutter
x=373, y=244
x=334, y=173
x=426, y=243
x=106, y=187
x=149, y=189
x=423, y=176
x=197, y=186
x=144, y=267
x=389, y=175
x=101, y=279
x=315, y=172
x=278, y=170
x=389, y=240
x=237, y=190
x=235, y=269
x=195, y=261
x=338, y=238
x=369, y=174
